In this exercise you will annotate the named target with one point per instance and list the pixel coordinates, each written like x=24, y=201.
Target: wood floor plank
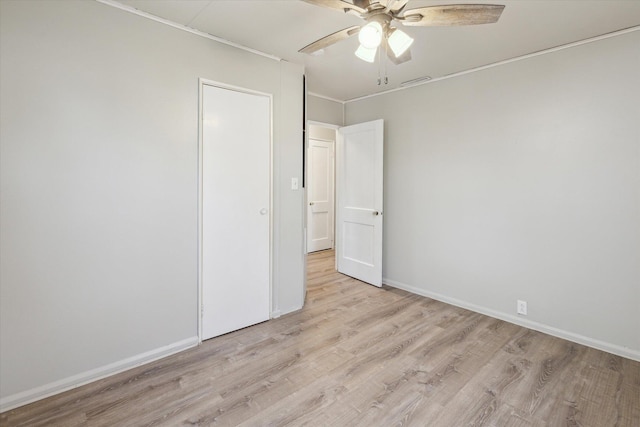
x=358, y=355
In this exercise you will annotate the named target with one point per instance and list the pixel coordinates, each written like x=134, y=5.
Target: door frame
x=201, y=83
x=307, y=212
x=306, y=171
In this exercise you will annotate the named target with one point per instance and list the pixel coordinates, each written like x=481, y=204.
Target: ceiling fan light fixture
x=399, y=41
x=370, y=36
x=366, y=54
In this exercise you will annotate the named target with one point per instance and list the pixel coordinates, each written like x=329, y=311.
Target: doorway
x=320, y=188
x=358, y=189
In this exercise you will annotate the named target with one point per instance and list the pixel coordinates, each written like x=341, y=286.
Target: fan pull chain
x=382, y=68
x=379, y=68
x=384, y=60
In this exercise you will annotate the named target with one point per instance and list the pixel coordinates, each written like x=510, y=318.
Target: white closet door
x=236, y=160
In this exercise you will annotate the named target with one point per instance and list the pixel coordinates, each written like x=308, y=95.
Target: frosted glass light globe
x=399, y=42
x=365, y=54
x=370, y=35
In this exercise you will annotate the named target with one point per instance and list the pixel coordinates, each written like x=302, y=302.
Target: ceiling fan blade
x=394, y=5
x=362, y=3
x=337, y=4
x=330, y=39
x=453, y=14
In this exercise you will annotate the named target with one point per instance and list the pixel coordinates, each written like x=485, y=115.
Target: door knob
x=310, y=203
x=376, y=213
x=263, y=211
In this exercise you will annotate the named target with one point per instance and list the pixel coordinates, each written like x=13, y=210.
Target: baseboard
x=560, y=333
x=29, y=396
x=290, y=309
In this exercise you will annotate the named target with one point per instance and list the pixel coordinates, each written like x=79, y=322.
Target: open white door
x=320, y=196
x=359, y=199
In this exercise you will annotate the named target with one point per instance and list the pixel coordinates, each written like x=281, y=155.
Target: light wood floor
x=357, y=355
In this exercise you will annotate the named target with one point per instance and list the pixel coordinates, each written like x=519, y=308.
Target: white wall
x=98, y=224
x=522, y=181
x=324, y=110
x=288, y=227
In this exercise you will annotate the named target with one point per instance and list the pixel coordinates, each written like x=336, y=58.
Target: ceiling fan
x=379, y=16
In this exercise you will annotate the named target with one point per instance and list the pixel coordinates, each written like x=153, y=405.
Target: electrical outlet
x=522, y=307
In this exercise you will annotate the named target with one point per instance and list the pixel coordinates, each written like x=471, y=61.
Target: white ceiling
x=282, y=27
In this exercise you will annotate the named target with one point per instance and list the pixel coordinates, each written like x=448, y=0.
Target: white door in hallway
x=359, y=162
x=236, y=198
x=320, y=211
